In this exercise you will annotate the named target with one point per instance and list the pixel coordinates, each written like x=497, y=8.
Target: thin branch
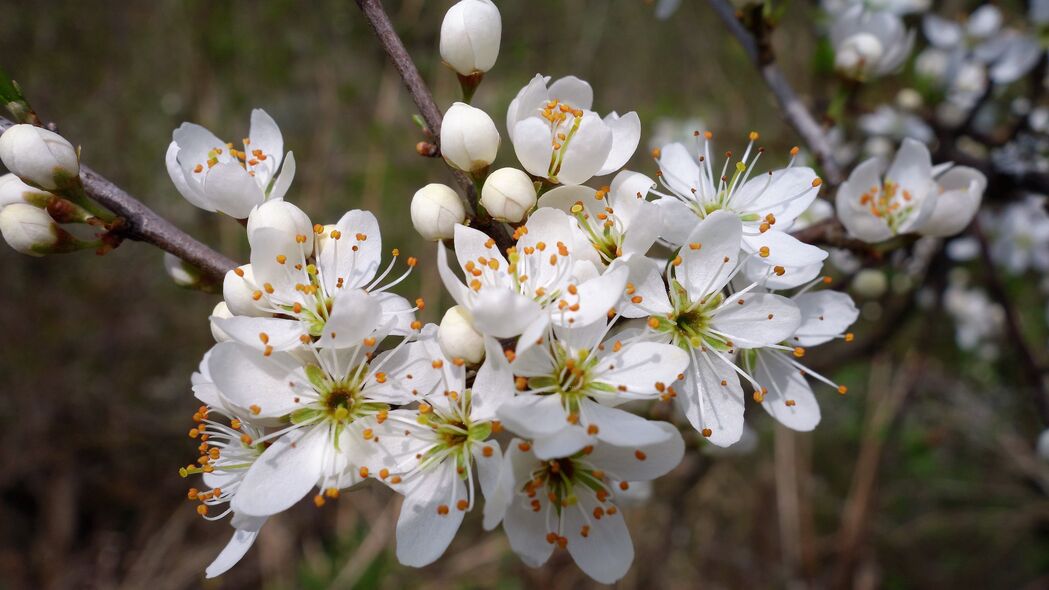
x=796, y=113
x=423, y=98
x=143, y=224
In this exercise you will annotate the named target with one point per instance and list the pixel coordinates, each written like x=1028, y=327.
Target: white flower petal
x=423, y=533
x=626, y=134
x=246, y=378
x=785, y=384
x=283, y=474
x=762, y=319
x=706, y=268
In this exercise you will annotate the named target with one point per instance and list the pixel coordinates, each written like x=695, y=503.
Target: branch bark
x=145, y=225
x=795, y=111
x=431, y=113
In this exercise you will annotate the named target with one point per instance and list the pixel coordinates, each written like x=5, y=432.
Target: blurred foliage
x=97, y=353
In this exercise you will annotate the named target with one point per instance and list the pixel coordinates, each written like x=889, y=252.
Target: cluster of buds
x=42, y=191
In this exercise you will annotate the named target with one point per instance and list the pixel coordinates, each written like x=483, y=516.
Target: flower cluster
x=530, y=397
x=602, y=317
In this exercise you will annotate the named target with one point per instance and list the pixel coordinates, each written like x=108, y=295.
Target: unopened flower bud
x=30, y=230
x=508, y=194
x=470, y=36
x=13, y=190
x=858, y=52
x=221, y=312
x=283, y=216
x=184, y=275
x=436, y=208
x=458, y=338
x=870, y=283
x=39, y=157
x=469, y=139
x=241, y=294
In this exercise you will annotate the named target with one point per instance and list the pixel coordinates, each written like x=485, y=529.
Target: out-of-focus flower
x=39, y=157
x=1020, y=236
x=508, y=195
x=469, y=139
x=869, y=44
x=897, y=7
x=896, y=124
x=556, y=136
x=470, y=35
x=913, y=198
x=215, y=176
x=435, y=210
x=978, y=321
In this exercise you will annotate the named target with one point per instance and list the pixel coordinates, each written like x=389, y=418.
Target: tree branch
x=145, y=225
x=796, y=113
x=420, y=93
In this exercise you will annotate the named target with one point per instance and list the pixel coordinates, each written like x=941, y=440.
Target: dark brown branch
x=143, y=224
x=431, y=114
x=795, y=111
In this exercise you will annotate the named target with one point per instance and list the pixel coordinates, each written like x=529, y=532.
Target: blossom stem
x=431, y=114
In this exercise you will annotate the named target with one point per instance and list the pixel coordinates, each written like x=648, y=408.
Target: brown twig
x=796, y=113
x=143, y=224
x=429, y=110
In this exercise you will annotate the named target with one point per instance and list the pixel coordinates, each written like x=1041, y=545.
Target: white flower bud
x=469, y=139
x=221, y=311
x=31, y=230
x=458, y=338
x=283, y=216
x=858, y=52
x=182, y=274
x=38, y=156
x=239, y=290
x=870, y=283
x=470, y=36
x=13, y=190
x=508, y=194
x=436, y=208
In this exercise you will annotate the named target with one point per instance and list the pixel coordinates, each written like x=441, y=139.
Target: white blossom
x=215, y=176
x=551, y=276
x=913, y=197
x=571, y=502
x=556, y=136
x=318, y=286
x=869, y=44
x=618, y=219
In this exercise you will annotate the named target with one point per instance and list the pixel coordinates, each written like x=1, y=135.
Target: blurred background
x=923, y=476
